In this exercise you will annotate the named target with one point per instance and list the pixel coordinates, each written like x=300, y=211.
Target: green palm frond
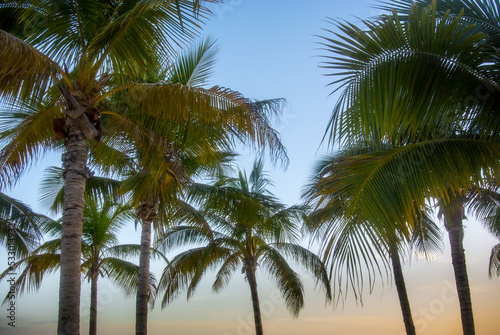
x=124, y=251
x=427, y=236
x=25, y=73
x=309, y=261
x=20, y=226
x=138, y=32
x=228, y=268
x=352, y=248
x=287, y=280
x=186, y=270
x=238, y=115
x=34, y=267
x=182, y=235
x=195, y=65
x=124, y=274
x=483, y=14
x=401, y=177
x=27, y=135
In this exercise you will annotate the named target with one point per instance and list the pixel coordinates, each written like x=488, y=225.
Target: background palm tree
x=240, y=224
x=443, y=144
x=101, y=255
x=354, y=247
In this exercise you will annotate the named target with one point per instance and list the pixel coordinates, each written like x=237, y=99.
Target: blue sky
x=269, y=49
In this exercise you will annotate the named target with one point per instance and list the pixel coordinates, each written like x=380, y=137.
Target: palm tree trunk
x=75, y=176
x=141, y=323
x=252, y=281
x=401, y=287
x=454, y=226
x=93, y=304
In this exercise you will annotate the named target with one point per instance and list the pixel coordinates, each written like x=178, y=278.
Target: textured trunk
x=147, y=212
x=401, y=287
x=75, y=176
x=93, y=305
x=252, y=281
x=453, y=222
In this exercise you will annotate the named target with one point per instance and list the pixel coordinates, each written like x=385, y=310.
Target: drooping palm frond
x=186, y=270
x=426, y=236
x=124, y=275
x=27, y=134
x=401, y=177
x=226, y=271
x=287, y=280
x=35, y=268
x=239, y=116
x=20, y=227
x=309, y=261
x=352, y=248
x=25, y=73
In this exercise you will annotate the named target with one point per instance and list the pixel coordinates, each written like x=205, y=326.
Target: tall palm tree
x=66, y=53
x=412, y=82
x=239, y=224
x=63, y=62
x=101, y=255
x=353, y=246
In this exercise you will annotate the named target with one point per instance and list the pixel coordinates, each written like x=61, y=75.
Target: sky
x=269, y=49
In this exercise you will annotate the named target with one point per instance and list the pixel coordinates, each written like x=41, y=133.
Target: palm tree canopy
x=238, y=224
x=384, y=73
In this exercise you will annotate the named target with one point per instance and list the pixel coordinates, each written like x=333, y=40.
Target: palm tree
x=354, y=246
x=444, y=142
x=61, y=76
x=240, y=224
x=93, y=39
x=101, y=255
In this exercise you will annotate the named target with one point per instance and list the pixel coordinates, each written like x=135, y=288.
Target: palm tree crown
x=239, y=225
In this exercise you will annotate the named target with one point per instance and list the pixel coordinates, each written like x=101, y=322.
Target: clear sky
x=268, y=49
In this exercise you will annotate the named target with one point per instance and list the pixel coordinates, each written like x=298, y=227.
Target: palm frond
x=186, y=270
x=195, y=65
x=20, y=227
x=124, y=275
x=309, y=261
x=25, y=73
x=227, y=269
x=397, y=179
x=33, y=269
x=27, y=135
x=287, y=280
